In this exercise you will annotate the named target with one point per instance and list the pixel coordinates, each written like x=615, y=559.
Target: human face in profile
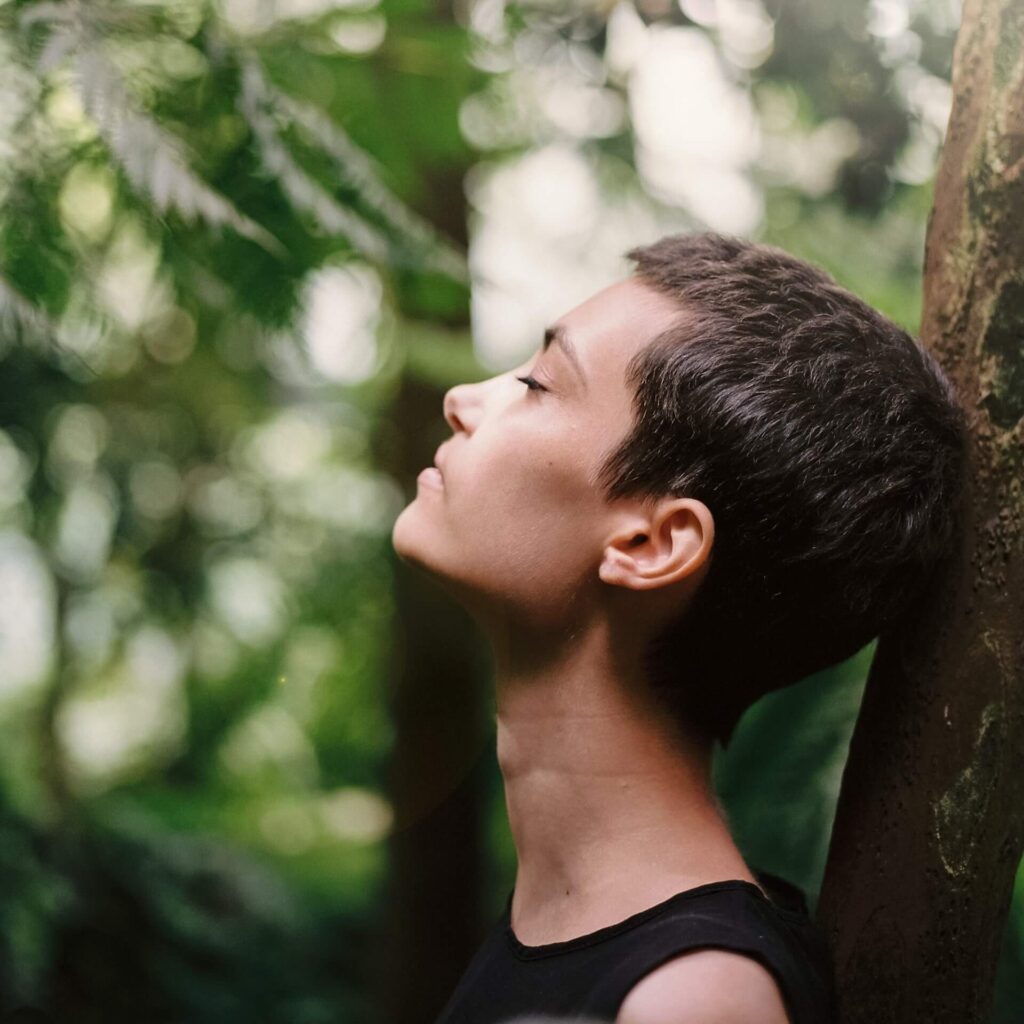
x=514, y=525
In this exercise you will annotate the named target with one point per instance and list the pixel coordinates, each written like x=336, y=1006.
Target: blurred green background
x=234, y=239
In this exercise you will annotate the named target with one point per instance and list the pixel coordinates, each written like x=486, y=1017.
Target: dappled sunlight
x=223, y=503
x=85, y=528
x=290, y=445
x=546, y=240
x=215, y=652
x=16, y=469
x=249, y=596
x=742, y=28
x=27, y=616
x=696, y=131
x=245, y=249
x=342, y=308
x=251, y=16
x=551, y=227
x=156, y=488
x=123, y=719
x=269, y=750
x=356, y=815
x=131, y=286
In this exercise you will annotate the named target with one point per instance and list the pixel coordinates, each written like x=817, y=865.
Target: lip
x=431, y=477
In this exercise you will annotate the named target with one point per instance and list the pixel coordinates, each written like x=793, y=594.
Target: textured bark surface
x=928, y=831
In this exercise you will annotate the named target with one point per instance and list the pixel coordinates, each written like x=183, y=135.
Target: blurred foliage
x=220, y=246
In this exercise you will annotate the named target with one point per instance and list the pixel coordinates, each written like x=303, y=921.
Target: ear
x=660, y=546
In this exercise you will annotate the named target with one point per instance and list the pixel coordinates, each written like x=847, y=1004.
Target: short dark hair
x=829, y=446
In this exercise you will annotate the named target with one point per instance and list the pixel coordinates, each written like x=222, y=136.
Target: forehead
x=616, y=322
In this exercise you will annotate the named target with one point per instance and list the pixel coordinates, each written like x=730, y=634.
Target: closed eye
x=532, y=383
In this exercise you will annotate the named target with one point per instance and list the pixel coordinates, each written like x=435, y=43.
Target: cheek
x=533, y=511
x=533, y=481
x=512, y=528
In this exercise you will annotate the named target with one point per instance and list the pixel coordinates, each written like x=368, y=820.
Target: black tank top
x=589, y=976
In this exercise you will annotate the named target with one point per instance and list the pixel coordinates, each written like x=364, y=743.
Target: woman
x=716, y=477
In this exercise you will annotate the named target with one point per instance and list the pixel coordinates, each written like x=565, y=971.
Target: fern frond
x=358, y=169
x=19, y=315
x=20, y=318
x=59, y=44
x=153, y=160
x=65, y=14
x=305, y=193
x=263, y=101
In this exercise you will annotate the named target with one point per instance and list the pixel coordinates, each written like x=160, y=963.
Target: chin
x=402, y=535
x=419, y=549
x=413, y=542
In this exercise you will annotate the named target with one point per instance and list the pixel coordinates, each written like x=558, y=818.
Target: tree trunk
x=439, y=699
x=928, y=830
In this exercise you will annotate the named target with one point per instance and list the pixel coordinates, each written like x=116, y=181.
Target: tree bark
x=928, y=830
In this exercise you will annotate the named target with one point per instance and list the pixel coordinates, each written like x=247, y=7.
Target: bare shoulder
x=706, y=986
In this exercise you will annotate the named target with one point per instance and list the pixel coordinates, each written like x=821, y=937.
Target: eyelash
x=532, y=383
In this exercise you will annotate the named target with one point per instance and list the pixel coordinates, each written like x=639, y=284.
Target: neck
x=611, y=810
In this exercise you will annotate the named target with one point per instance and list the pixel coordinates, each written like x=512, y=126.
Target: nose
x=456, y=406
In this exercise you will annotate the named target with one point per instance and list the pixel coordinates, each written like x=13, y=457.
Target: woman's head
x=520, y=528
x=749, y=471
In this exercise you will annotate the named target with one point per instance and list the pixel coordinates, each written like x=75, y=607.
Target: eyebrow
x=558, y=334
